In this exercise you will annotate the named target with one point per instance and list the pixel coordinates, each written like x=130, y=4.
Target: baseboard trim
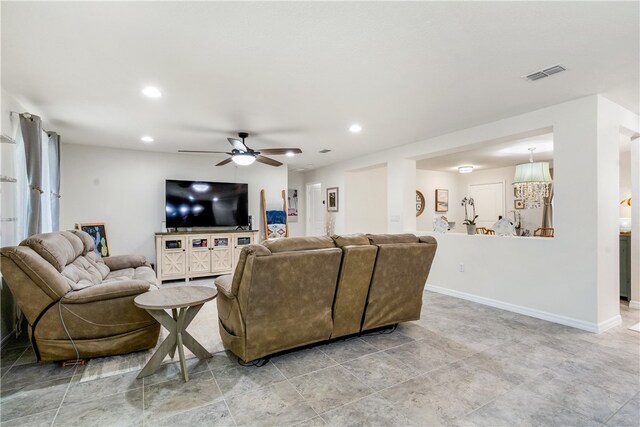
x=531, y=312
x=634, y=305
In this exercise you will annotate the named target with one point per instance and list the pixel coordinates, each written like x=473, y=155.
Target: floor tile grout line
x=300, y=394
x=64, y=396
x=222, y=396
x=16, y=361
x=620, y=408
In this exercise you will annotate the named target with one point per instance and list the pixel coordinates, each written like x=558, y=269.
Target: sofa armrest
x=107, y=291
x=428, y=239
x=224, y=285
x=120, y=262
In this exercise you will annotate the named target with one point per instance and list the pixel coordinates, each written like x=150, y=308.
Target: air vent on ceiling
x=544, y=73
x=325, y=151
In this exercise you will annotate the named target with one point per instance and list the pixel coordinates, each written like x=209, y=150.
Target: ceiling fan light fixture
x=243, y=159
x=290, y=154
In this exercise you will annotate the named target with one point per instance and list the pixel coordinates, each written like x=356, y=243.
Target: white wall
x=427, y=182
x=366, y=211
x=581, y=259
x=625, y=183
x=296, y=181
x=125, y=190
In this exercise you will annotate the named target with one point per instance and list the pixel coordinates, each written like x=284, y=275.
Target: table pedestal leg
x=174, y=312
x=178, y=337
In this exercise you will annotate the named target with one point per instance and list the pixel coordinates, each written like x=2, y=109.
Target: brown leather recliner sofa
x=287, y=293
x=59, y=281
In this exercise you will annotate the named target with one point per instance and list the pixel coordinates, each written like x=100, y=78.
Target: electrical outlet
x=461, y=268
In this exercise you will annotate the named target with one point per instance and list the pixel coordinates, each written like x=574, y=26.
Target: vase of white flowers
x=470, y=222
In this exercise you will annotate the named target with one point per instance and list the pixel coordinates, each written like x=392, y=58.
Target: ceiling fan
x=242, y=155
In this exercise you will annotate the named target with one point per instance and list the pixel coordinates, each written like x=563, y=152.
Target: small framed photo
x=332, y=199
x=442, y=200
x=98, y=233
x=518, y=204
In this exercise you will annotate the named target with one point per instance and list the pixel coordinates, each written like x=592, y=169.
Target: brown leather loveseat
x=59, y=281
x=287, y=293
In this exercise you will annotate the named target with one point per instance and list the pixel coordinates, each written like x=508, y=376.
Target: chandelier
x=531, y=182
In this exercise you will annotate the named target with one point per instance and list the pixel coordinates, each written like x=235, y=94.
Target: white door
x=489, y=201
x=315, y=210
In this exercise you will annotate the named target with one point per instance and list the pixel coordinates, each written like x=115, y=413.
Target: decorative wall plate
x=419, y=203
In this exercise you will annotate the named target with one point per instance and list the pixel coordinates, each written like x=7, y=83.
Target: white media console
x=191, y=254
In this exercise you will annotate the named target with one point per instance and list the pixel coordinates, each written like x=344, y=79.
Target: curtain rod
x=28, y=116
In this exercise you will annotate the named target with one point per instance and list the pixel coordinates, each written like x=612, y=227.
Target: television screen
x=206, y=204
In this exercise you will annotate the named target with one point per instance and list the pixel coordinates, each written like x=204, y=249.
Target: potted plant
x=470, y=223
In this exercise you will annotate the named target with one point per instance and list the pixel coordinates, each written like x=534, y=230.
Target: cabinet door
x=221, y=253
x=240, y=240
x=174, y=260
x=173, y=263
x=199, y=259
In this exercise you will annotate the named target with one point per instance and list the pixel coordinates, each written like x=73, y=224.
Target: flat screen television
x=206, y=204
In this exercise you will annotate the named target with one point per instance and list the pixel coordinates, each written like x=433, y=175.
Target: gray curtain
x=547, y=209
x=31, y=129
x=54, y=179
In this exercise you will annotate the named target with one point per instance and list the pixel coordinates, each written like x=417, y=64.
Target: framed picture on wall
x=518, y=204
x=332, y=199
x=442, y=200
x=98, y=233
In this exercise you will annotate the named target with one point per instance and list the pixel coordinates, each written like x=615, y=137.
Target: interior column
x=401, y=196
x=635, y=224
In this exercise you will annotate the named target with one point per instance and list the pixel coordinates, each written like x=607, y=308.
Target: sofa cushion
x=143, y=273
x=97, y=262
x=386, y=239
x=87, y=240
x=299, y=244
x=59, y=248
x=350, y=240
x=81, y=273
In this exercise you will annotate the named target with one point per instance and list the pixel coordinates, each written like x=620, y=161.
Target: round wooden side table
x=185, y=302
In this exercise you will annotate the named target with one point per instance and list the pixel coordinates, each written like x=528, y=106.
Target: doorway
x=315, y=210
x=489, y=201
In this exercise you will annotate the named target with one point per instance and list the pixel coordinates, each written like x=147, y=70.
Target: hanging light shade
x=532, y=181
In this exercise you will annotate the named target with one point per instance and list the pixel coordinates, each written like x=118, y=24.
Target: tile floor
x=462, y=364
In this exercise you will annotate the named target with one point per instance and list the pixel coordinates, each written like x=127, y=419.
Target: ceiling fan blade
x=237, y=144
x=267, y=161
x=275, y=151
x=224, y=162
x=199, y=151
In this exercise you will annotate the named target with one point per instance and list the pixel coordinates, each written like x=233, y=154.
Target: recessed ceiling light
x=151, y=92
x=146, y=139
x=465, y=169
x=355, y=128
x=290, y=154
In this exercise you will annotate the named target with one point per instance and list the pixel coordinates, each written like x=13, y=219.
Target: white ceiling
x=499, y=155
x=298, y=74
